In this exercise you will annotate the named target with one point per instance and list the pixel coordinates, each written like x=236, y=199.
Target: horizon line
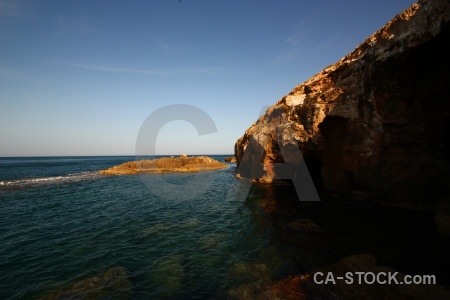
x=112, y=155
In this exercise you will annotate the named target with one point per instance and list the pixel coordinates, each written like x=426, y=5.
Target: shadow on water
x=303, y=236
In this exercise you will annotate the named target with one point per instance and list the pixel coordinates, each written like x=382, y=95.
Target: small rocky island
x=182, y=164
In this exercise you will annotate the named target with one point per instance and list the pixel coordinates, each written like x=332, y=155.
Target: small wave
x=35, y=182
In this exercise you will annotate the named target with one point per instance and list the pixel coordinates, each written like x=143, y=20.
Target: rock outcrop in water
x=112, y=283
x=182, y=164
x=230, y=159
x=375, y=123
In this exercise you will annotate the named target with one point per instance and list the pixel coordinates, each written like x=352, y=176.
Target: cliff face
x=377, y=122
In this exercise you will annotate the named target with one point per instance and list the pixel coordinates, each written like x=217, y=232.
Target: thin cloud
x=14, y=9
x=169, y=72
x=66, y=25
x=10, y=8
x=297, y=38
x=288, y=56
x=11, y=73
x=306, y=21
x=166, y=47
x=169, y=48
x=301, y=30
x=298, y=51
x=300, y=39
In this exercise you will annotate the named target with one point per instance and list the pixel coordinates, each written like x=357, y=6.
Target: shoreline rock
x=230, y=159
x=182, y=164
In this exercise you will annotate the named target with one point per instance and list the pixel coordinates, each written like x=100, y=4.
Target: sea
x=64, y=227
x=62, y=222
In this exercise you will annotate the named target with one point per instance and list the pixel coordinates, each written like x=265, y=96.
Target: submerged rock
x=158, y=229
x=211, y=240
x=304, y=287
x=251, y=272
x=289, y=288
x=191, y=223
x=367, y=263
x=251, y=278
x=378, y=120
x=297, y=288
x=304, y=225
x=230, y=159
x=182, y=164
x=442, y=218
x=167, y=276
x=110, y=284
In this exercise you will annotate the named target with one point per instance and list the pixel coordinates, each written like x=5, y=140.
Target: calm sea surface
x=175, y=237
x=62, y=222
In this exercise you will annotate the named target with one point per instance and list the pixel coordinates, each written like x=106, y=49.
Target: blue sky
x=80, y=77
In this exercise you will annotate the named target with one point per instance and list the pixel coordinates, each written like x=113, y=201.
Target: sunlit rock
x=182, y=164
x=230, y=159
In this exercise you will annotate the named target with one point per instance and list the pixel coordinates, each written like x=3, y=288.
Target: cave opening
x=334, y=129
x=446, y=138
x=314, y=164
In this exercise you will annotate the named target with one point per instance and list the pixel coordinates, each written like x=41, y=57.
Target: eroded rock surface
x=167, y=165
x=375, y=123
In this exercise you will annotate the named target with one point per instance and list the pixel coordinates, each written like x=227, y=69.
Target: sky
x=81, y=77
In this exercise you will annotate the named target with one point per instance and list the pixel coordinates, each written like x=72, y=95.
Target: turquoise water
x=62, y=222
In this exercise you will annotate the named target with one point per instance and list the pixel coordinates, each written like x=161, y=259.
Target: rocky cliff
x=377, y=122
